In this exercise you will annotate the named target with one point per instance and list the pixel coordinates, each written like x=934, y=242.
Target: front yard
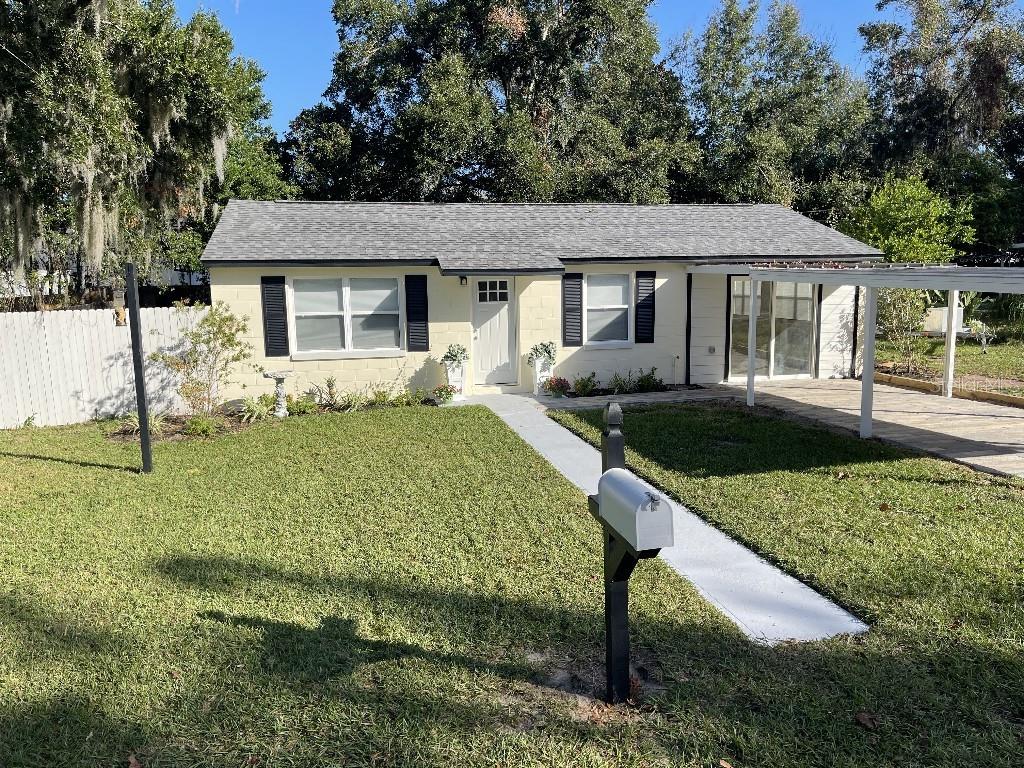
x=416, y=587
x=1001, y=369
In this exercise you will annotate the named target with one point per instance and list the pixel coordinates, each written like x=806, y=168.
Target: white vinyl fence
x=65, y=367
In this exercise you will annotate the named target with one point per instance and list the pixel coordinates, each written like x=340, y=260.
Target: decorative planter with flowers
x=454, y=362
x=542, y=359
x=556, y=386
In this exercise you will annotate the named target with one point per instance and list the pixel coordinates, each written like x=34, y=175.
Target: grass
x=416, y=587
x=927, y=551
x=1005, y=360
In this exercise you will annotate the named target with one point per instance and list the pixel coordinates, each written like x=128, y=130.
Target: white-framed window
x=352, y=315
x=606, y=309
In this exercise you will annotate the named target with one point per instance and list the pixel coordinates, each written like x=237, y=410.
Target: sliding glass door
x=785, y=329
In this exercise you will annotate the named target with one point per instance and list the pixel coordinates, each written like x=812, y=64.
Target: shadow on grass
x=927, y=697
x=71, y=462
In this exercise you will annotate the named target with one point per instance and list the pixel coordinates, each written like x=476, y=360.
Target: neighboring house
x=371, y=293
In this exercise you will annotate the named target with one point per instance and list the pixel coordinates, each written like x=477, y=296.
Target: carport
x=872, y=277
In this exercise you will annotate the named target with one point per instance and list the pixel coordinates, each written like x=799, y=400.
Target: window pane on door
x=607, y=325
x=375, y=332
x=319, y=333
x=794, y=329
x=740, y=327
x=374, y=294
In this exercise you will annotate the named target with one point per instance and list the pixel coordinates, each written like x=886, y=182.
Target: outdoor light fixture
x=463, y=280
x=637, y=523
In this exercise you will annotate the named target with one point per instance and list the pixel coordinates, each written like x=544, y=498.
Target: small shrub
x=380, y=398
x=584, y=386
x=301, y=406
x=444, y=393
x=256, y=409
x=901, y=313
x=543, y=351
x=29, y=423
x=557, y=386
x=131, y=425
x=402, y=400
x=622, y=385
x=352, y=401
x=649, y=382
x=327, y=396
x=207, y=356
x=420, y=395
x=202, y=425
x=457, y=354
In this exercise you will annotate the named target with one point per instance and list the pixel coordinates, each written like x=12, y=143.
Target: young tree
x=207, y=356
x=901, y=313
x=910, y=223
x=461, y=100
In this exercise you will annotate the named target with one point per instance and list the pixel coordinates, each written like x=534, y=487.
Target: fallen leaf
x=723, y=763
x=883, y=507
x=133, y=761
x=867, y=720
x=841, y=476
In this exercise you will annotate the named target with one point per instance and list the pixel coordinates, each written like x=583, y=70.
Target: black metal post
x=135, y=324
x=616, y=583
x=613, y=444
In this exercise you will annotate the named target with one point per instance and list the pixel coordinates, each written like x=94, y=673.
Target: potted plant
x=556, y=386
x=542, y=359
x=454, y=362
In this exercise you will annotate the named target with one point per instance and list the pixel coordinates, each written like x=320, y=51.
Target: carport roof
x=922, y=276
x=516, y=238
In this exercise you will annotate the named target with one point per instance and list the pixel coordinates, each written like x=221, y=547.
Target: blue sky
x=295, y=41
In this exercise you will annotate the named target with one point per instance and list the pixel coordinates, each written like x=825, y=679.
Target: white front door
x=494, y=330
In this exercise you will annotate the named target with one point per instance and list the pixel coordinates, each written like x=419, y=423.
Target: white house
x=374, y=293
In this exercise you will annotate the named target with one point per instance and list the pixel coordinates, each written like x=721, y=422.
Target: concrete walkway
x=767, y=604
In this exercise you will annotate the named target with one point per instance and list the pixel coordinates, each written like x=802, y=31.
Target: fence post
x=135, y=324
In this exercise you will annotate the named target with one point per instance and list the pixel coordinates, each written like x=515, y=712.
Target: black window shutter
x=572, y=310
x=417, y=327
x=644, y=318
x=275, y=317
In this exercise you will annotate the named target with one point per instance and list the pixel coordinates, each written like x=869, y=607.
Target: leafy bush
x=131, y=425
x=543, y=351
x=419, y=396
x=256, y=409
x=649, y=382
x=203, y=425
x=206, y=356
x=327, y=396
x=380, y=398
x=585, y=385
x=301, y=406
x=456, y=354
x=444, y=393
x=622, y=385
x=557, y=386
x=901, y=313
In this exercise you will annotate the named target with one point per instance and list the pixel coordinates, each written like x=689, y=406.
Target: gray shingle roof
x=517, y=237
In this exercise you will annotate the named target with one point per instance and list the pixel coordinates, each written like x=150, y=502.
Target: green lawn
x=1005, y=360
x=416, y=587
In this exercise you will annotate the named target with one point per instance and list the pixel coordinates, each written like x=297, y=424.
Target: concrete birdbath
x=281, y=401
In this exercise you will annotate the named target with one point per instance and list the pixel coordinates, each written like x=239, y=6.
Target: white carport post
x=867, y=378
x=953, y=304
x=755, y=291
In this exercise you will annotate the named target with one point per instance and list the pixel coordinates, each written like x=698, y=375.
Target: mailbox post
x=636, y=523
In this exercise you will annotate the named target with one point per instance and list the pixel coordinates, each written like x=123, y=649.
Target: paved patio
x=982, y=435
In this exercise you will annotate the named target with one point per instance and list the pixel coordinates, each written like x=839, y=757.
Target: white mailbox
x=635, y=510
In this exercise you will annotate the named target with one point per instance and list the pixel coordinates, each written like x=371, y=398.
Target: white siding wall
x=65, y=367
x=836, y=336
x=707, y=328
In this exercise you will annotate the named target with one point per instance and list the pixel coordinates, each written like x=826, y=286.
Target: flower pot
x=456, y=373
x=541, y=373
